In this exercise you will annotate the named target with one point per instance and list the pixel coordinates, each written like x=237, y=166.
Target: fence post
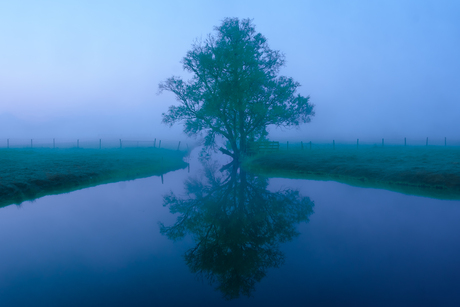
x=7, y=143
x=310, y=145
x=31, y=144
x=383, y=142
x=445, y=141
x=159, y=144
x=404, y=141
x=333, y=144
x=100, y=143
x=178, y=146
x=154, y=143
x=120, y=144
x=357, y=143
x=301, y=145
x=426, y=141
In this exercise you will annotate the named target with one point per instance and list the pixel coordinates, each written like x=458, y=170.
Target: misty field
x=426, y=171
x=27, y=174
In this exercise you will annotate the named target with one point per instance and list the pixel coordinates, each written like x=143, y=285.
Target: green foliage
x=235, y=91
x=31, y=173
x=427, y=171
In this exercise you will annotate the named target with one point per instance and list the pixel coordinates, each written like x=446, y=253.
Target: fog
x=373, y=69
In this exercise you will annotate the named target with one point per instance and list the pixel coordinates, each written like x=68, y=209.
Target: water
x=245, y=241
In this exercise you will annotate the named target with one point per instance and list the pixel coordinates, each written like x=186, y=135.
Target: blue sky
x=90, y=68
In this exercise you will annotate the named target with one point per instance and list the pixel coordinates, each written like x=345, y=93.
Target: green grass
x=26, y=174
x=426, y=171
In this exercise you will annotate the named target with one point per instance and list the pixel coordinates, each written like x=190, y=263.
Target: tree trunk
x=236, y=151
x=242, y=132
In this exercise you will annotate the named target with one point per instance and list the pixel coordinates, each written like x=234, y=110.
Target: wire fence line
x=369, y=142
x=101, y=143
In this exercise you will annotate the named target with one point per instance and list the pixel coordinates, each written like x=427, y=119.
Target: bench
x=262, y=147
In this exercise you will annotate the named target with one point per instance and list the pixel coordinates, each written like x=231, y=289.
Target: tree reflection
x=237, y=225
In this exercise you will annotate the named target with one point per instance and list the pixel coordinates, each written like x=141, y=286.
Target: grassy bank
x=425, y=171
x=27, y=174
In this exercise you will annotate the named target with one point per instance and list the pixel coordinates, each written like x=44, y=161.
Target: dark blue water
x=233, y=239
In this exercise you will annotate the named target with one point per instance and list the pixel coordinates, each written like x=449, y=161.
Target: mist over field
x=386, y=69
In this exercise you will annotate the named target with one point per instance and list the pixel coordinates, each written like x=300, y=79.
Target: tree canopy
x=236, y=90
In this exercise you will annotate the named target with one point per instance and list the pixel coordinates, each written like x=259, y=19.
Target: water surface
x=232, y=239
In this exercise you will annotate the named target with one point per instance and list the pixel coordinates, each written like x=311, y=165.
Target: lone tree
x=235, y=91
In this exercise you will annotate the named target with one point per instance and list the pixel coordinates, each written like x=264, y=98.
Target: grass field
x=426, y=171
x=27, y=174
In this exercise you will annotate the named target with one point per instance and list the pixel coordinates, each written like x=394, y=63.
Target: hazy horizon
x=91, y=69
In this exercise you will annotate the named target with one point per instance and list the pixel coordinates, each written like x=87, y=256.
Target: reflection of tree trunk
x=242, y=189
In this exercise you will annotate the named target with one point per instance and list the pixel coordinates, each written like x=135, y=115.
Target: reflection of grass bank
x=27, y=174
x=426, y=171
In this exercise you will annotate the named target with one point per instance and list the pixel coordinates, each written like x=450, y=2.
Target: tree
x=235, y=91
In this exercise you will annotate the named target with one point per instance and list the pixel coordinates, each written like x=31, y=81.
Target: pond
x=212, y=236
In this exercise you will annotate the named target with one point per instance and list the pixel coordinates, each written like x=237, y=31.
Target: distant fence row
x=357, y=143
x=183, y=145
x=91, y=143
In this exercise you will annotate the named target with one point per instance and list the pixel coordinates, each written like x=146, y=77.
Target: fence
x=101, y=143
x=368, y=142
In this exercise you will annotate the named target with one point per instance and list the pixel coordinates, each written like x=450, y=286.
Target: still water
x=225, y=237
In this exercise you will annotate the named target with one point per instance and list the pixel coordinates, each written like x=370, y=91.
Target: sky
x=373, y=69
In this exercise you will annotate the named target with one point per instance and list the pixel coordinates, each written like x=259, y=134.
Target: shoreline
x=431, y=172
x=28, y=174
